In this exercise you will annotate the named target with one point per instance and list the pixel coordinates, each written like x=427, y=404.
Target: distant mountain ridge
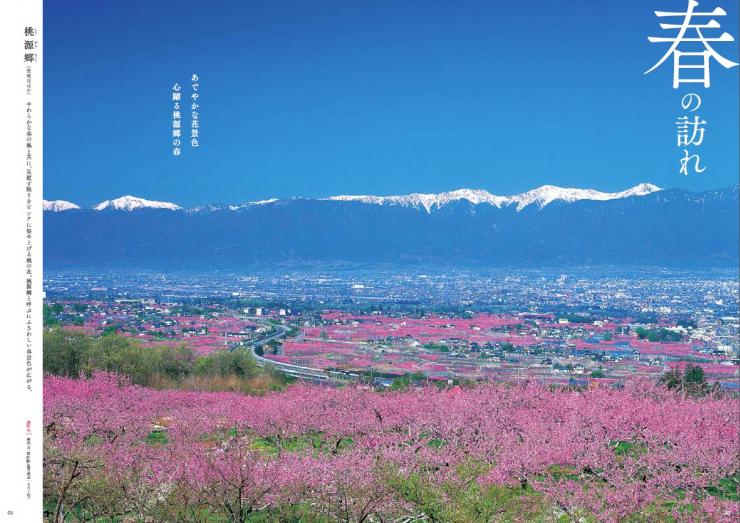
x=549, y=226
x=541, y=196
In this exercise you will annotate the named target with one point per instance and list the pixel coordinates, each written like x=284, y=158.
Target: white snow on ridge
x=264, y=202
x=550, y=193
x=231, y=207
x=236, y=207
x=428, y=201
x=130, y=203
x=59, y=205
x=250, y=204
x=541, y=196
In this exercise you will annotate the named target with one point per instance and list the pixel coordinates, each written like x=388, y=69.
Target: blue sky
x=304, y=98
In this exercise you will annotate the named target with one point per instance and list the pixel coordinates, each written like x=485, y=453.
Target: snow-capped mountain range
x=541, y=197
x=556, y=227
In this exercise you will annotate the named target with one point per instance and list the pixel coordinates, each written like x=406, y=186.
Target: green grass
x=727, y=488
x=627, y=448
x=315, y=442
x=157, y=437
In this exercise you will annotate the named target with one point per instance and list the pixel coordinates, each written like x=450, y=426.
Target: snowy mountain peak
x=640, y=190
x=541, y=196
x=547, y=194
x=59, y=205
x=130, y=203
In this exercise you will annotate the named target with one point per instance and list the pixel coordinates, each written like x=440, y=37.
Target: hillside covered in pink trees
x=494, y=452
